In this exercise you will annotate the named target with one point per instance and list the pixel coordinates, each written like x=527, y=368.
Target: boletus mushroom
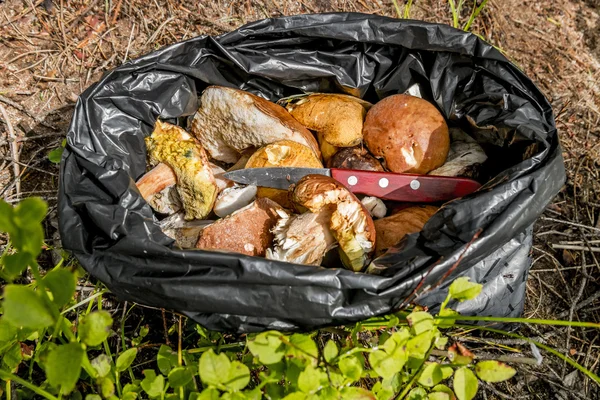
x=408, y=133
x=301, y=238
x=158, y=188
x=230, y=121
x=349, y=221
x=391, y=230
x=283, y=153
x=338, y=117
x=355, y=158
x=196, y=185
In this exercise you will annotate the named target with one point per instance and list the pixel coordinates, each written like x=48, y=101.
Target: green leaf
x=61, y=283
x=233, y=396
x=327, y=393
x=431, y=375
x=311, y=379
x=214, y=369
x=438, y=396
x=494, y=371
x=131, y=388
x=238, y=377
x=417, y=394
x=102, y=365
x=295, y=396
x=462, y=289
x=254, y=394
x=447, y=323
x=385, y=365
x=15, y=264
x=126, y=358
x=465, y=384
x=95, y=328
x=351, y=367
x=330, y=351
x=6, y=217
x=207, y=394
x=24, y=308
x=444, y=389
x=12, y=357
x=63, y=366
x=383, y=393
x=303, y=347
x=107, y=388
x=166, y=359
x=152, y=384
x=180, y=376
x=396, y=342
x=356, y=393
x=7, y=331
x=447, y=371
x=440, y=342
x=267, y=347
x=418, y=346
x=55, y=155
x=420, y=322
x=27, y=217
x=93, y=397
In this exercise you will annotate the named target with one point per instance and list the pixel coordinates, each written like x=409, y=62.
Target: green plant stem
x=397, y=7
x=474, y=14
x=229, y=346
x=454, y=13
x=82, y=302
x=8, y=390
x=8, y=376
x=407, y=9
x=522, y=321
x=413, y=379
x=569, y=361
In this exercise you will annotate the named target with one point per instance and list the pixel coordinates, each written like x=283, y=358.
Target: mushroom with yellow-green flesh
x=196, y=185
x=283, y=153
x=350, y=222
x=339, y=118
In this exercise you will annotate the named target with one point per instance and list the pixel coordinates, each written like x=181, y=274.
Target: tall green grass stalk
x=476, y=11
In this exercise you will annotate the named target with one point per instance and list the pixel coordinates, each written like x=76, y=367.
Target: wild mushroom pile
x=318, y=216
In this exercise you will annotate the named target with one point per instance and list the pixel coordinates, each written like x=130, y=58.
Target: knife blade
x=384, y=185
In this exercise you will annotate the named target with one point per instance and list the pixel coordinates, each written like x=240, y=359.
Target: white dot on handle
x=414, y=185
x=352, y=180
x=383, y=182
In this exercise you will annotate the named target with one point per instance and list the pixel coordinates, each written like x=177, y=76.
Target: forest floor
x=51, y=51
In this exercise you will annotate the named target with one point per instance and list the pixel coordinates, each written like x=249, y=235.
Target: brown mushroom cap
x=230, y=121
x=390, y=230
x=355, y=158
x=350, y=222
x=338, y=117
x=283, y=153
x=409, y=133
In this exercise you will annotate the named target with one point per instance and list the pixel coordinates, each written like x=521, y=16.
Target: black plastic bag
x=111, y=230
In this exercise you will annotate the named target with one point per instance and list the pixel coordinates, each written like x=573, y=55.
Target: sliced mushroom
x=185, y=233
x=338, y=117
x=350, y=222
x=173, y=146
x=222, y=183
x=230, y=121
x=157, y=187
x=302, y=238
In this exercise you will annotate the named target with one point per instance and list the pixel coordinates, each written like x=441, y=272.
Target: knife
x=384, y=185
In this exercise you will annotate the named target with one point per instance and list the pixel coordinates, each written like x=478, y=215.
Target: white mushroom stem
x=375, y=206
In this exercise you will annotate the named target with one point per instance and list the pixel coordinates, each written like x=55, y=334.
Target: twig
x=129, y=43
x=52, y=79
x=116, y=14
x=160, y=28
x=164, y=318
x=23, y=13
x=584, y=280
x=26, y=112
x=560, y=221
x=584, y=303
x=14, y=149
x=575, y=247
